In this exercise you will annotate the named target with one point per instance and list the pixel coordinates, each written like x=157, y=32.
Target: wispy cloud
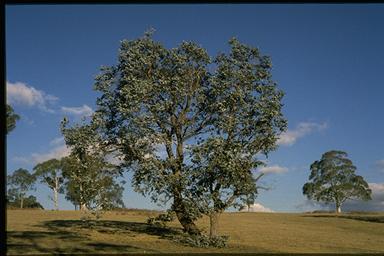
x=380, y=164
x=304, y=128
x=57, y=141
x=273, y=169
x=84, y=110
x=21, y=94
x=58, y=150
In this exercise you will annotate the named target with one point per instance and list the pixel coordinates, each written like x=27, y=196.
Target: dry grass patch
x=38, y=231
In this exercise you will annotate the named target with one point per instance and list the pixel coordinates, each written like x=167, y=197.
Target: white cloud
x=57, y=152
x=21, y=94
x=57, y=141
x=273, y=169
x=256, y=208
x=85, y=110
x=304, y=128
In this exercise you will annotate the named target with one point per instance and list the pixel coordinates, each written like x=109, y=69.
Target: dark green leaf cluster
x=162, y=219
x=13, y=201
x=202, y=241
x=12, y=117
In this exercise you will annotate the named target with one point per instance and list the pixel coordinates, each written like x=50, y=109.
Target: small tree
x=50, y=173
x=20, y=182
x=87, y=169
x=12, y=117
x=333, y=179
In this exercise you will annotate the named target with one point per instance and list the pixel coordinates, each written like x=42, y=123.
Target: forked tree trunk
x=213, y=224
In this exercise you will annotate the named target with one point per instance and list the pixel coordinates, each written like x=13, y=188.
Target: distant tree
x=20, y=182
x=89, y=173
x=171, y=98
x=12, y=117
x=333, y=179
x=13, y=200
x=50, y=173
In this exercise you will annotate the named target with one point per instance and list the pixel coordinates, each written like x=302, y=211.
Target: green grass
x=38, y=231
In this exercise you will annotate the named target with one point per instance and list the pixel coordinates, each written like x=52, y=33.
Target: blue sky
x=329, y=60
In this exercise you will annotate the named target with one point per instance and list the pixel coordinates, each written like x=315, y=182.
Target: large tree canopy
x=160, y=106
x=333, y=179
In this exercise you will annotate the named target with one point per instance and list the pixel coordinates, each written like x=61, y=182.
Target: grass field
x=38, y=231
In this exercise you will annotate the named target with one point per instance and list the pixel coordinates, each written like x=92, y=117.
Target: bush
x=202, y=241
x=162, y=219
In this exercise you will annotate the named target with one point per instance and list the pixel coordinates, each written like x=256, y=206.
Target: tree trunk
x=185, y=220
x=21, y=202
x=55, y=191
x=338, y=207
x=82, y=203
x=213, y=224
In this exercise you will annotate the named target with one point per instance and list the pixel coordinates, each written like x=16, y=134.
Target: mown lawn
x=38, y=231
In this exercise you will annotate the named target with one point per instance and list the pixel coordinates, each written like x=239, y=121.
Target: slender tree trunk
x=338, y=207
x=21, y=202
x=55, y=191
x=82, y=203
x=213, y=224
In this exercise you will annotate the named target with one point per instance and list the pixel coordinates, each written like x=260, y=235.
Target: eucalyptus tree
x=50, y=173
x=20, y=182
x=246, y=121
x=158, y=98
x=86, y=168
x=12, y=117
x=333, y=179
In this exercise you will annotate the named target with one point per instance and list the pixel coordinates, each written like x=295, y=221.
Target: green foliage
x=50, y=173
x=333, y=179
x=162, y=219
x=20, y=182
x=12, y=117
x=13, y=201
x=185, y=103
x=90, y=177
x=202, y=241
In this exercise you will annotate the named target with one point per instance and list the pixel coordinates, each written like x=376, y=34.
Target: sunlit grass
x=37, y=231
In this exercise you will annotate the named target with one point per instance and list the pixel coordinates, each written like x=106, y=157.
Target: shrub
x=202, y=241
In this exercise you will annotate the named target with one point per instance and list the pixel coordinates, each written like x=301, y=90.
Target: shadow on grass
x=126, y=228
x=377, y=219
x=70, y=236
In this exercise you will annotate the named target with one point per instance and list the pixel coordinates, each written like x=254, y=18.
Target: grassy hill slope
x=39, y=231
